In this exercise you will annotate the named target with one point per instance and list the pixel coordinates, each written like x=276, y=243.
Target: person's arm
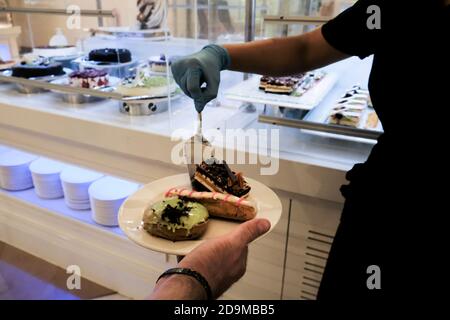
x=198, y=75
x=221, y=262
x=283, y=56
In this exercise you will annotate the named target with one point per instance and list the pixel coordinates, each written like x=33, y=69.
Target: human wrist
x=220, y=52
x=178, y=287
x=205, y=270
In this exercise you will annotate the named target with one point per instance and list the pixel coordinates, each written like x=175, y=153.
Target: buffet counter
x=99, y=137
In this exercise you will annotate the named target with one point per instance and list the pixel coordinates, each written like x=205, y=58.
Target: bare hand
x=223, y=261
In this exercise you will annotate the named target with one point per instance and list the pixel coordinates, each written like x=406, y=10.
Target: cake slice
x=349, y=119
x=216, y=176
x=89, y=78
x=282, y=85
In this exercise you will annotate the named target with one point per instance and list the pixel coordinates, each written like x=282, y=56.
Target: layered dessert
x=176, y=219
x=216, y=176
x=89, y=78
x=55, y=51
x=349, y=119
x=159, y=63
x=282, y=85
x=34, y=67
x=351, y=109
x=110, y=55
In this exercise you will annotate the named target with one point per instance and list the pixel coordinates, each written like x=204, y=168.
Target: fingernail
x=264, y=226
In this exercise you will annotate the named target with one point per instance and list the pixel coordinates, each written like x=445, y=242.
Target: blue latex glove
x=203, y=67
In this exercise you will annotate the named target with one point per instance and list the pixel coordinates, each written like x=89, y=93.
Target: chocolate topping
x=109, y=55
x=282, y=81
x=223, y=177
x=40, y=69
x=173, y=214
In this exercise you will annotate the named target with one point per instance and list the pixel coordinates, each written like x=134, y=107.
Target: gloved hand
x=193, y=71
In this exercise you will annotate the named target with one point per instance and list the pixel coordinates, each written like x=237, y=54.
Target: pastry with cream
x=218, y=204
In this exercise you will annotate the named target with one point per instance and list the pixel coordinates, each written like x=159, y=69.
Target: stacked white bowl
x=106, y=196
x=4, y=149
x=14, y=172
x=75, y=182
x=45, y=174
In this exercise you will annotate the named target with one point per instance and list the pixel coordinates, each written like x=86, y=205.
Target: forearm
x=283, y=56
x=178, y=287
x=278, y=56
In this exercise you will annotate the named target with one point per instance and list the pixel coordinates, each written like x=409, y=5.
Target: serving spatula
x=197, y=149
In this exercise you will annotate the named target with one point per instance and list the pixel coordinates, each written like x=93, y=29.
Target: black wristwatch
x=194, y=274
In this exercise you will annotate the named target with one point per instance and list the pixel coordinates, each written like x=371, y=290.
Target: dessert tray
x=131, y=105
x=368, y=120
x=132, y=210
x=29, y=89
x=79, y=98
x=146, y=105
x=249, y=91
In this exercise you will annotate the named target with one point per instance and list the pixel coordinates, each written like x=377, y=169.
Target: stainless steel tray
x=144, y=106
x=31, y=89
x=25, y=89
x=133, y=106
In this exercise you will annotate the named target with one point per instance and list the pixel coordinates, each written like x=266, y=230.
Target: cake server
x=194, y=148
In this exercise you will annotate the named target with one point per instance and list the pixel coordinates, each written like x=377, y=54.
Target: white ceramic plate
x=132, y=211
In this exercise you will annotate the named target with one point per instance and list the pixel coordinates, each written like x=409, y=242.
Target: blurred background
x=214, y=20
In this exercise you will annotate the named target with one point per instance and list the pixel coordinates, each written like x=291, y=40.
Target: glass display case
x=329, y=108
x=328, y=112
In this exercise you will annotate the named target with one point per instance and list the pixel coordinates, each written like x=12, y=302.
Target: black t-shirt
x=408, y=86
